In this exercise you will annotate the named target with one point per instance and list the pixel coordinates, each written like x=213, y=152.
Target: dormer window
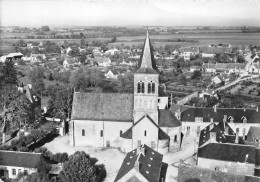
x=244, y=119
x=231, y=119
x=140, y=87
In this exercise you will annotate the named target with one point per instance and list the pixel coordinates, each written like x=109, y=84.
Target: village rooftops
x=19, y=159
x=228, y=152
x=148, y=163
x=224, y=66
x=238, y=114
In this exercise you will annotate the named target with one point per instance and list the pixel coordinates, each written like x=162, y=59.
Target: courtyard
x=113, y=158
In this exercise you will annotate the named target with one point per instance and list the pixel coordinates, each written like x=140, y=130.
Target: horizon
x=234, y=13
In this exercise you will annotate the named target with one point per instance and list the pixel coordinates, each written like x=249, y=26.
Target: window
x=83, y=132
x=120, y=133
x=108, y=143
x=175, y=138
x=158, y=100
x=144, y=132
x=140, y=87
x=19, y=171
x=101, y=133
x=153, y=88
x=14, y=172
x=25, y=172
x=149, y=87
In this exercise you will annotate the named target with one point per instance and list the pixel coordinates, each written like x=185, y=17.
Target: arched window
x=153, y=87
x=175, y=138
x=149, y=87
x=121, y=133
x=140, y=87
x=83, y=132
x=144, y=132
x=101, y=133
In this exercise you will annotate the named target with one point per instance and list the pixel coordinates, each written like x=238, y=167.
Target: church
x=127, y=121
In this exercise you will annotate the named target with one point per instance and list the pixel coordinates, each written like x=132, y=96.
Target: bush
x=23, y=149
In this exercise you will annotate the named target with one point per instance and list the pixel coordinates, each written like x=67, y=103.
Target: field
x=204, y=39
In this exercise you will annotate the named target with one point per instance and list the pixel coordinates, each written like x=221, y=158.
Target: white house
x=112, y=51
x=102, y=61
x=68, y=62
x=12, y=163
x=187, y=52
x=114, y=73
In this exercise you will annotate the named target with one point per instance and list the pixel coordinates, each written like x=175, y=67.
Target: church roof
x=103, y=106
x=148, y=163
x=167, y=119
x=147, y=64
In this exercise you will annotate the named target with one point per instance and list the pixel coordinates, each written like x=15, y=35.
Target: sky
x=130, y=12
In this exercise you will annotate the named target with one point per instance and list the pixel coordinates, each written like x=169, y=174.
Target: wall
x=10, y=172
x=163, y=104
x=230, y=167
x=172, y=131
x=191, y=173
x=111, y=133
x=151, y=133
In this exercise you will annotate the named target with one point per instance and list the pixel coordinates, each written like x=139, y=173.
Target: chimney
x=225, y=118
x=244, y=135
x=237, y=135
x=257, y=109
x=215, y=108
x=211, y=120
x=213, y=137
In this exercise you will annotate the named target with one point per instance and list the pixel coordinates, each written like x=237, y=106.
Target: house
x=34, y=99
x=102, y=61
x=224, y=67
x=205, y=94
x=13, y=56
x=112, y=51
x=253, y=63
x=235, y=158
x=68, y=62
x=210, y=52
x=142, y=164
x=187, y=52
x=12, y=163
x=134, y=118
x=129, y=63
x=237, y=118
x=195, y=68
x=114, y=73
x=217, y=80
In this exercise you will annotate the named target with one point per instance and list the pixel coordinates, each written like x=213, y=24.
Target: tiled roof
x=103, y=106
x=148, y=164
x=237, y=113
x=228, y=152
x=215, y=50
x=19, y=159
x=175, y=107
x=224, y=66
x=221, y=136
x=147, y=63
x=253, y=133
x=161, y=134
x=167, y=119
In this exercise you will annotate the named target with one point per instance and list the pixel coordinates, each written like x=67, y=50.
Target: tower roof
x=147, y=63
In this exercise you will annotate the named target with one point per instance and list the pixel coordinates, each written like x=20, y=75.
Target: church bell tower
x=146, y=84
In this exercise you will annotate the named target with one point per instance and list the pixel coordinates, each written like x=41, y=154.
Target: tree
x=196, y=75
x=240, y=59
x=182, y=79
x=36, y=76
x=114, y=39
x=78, y=168
x=9, y=73
x=45, y=28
